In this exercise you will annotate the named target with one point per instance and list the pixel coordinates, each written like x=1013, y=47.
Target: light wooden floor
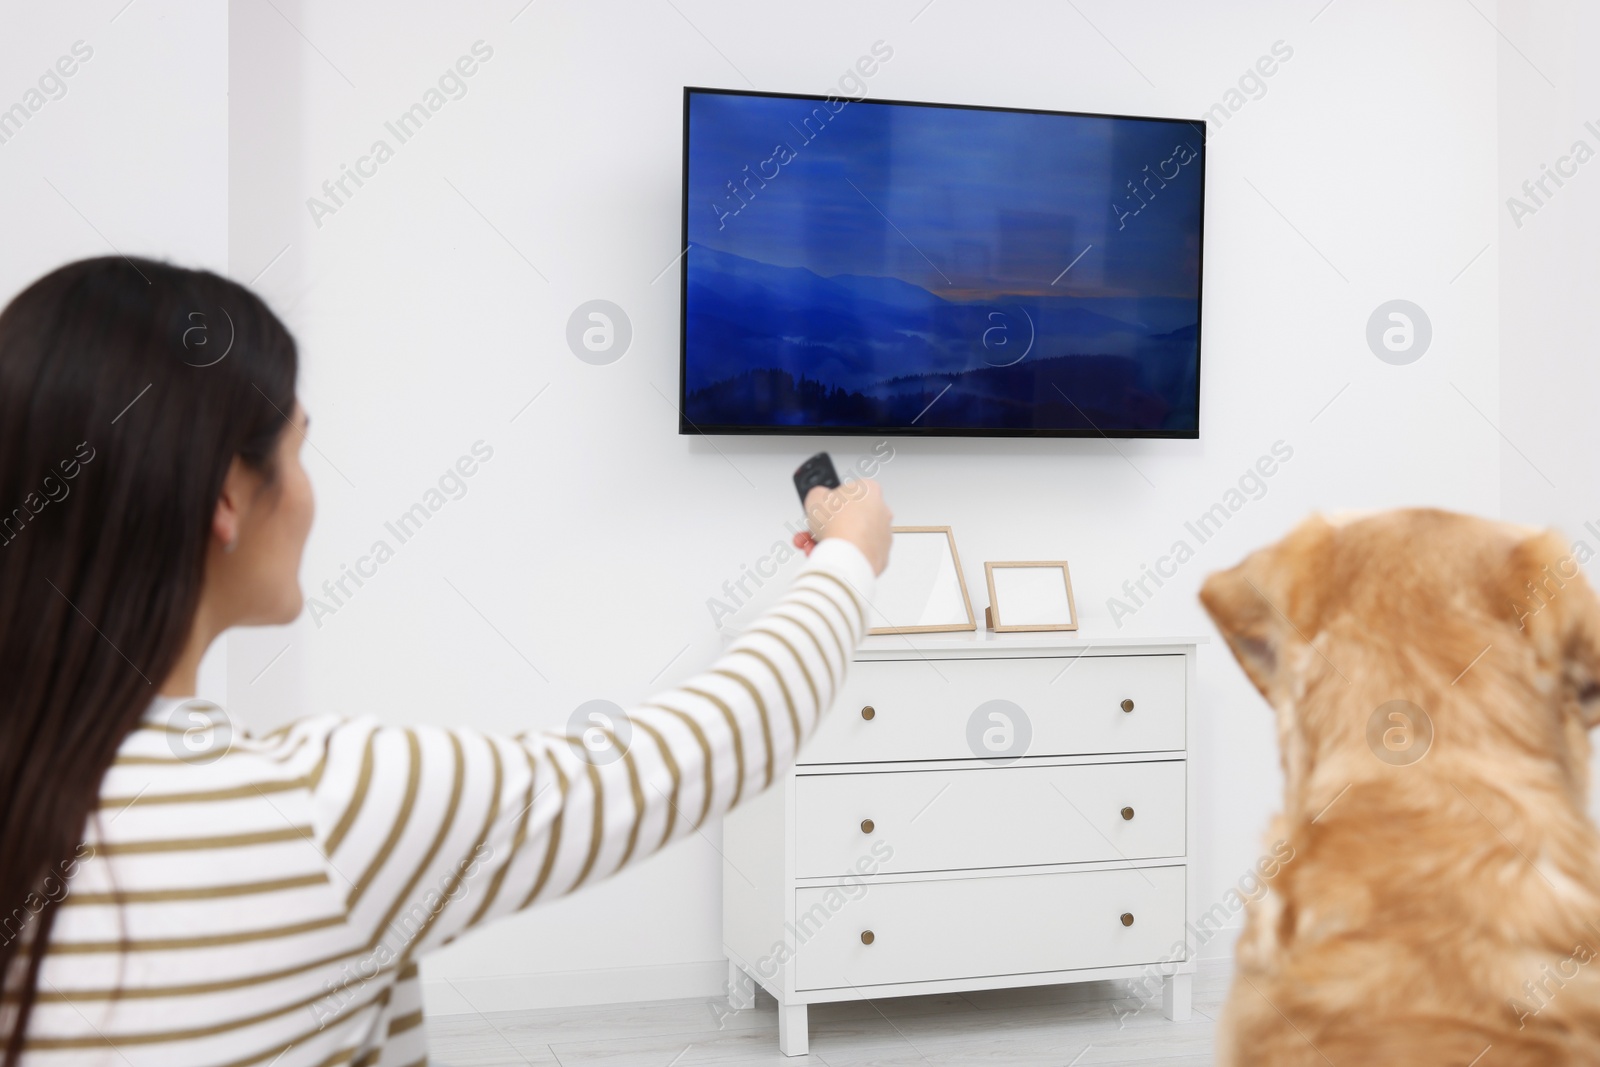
x=1052, y=1026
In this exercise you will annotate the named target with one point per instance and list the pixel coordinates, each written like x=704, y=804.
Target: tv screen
x=890, y=268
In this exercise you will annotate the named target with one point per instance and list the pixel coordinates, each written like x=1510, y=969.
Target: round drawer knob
x=1127, y=705
x=1127, y=918
x=867, y=938
x=868, y=712
x=1127, y=814
x=867, y=826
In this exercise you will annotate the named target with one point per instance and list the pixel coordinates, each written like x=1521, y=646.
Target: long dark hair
x=127, y=387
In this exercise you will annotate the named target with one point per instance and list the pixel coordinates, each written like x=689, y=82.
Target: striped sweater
x=275, y=892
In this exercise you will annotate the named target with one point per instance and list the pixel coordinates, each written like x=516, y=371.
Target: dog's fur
x=1433, y=910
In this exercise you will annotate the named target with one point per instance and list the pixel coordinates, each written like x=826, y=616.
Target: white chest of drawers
x=976, y=812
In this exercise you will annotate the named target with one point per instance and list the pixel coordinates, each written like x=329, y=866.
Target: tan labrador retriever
x=1434, y=677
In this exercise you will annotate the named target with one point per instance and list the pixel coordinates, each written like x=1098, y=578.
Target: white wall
x=126, y=155
x=1549, y=99
x=432, y=307
x=1549, y=274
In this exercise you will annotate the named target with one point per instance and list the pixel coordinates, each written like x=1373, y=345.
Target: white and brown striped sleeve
x=430, y=831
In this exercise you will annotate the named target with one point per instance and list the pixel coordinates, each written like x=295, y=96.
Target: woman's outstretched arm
x=434, y=830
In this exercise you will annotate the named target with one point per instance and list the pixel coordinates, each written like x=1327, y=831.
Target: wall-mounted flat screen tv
x=877, y=267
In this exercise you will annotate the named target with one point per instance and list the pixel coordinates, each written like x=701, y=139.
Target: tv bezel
x=686, y=427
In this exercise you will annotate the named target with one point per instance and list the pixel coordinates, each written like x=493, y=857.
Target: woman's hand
x=855, y=512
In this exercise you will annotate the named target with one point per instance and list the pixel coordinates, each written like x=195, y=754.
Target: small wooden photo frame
x=1036, y=596
x=923, y=591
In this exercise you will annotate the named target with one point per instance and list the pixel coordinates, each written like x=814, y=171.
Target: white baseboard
x=568, y=989
x=1220, y=944
x=624, y=985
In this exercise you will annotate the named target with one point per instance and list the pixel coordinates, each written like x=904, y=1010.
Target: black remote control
x=818, y=470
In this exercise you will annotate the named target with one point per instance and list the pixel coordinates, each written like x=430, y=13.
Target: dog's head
x=1490, y=628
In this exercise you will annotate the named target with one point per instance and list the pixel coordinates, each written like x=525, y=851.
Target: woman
x=175, y=897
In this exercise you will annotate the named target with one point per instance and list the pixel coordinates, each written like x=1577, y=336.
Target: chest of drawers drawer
x=986, y=816
x=976, y=927
x=893, y=710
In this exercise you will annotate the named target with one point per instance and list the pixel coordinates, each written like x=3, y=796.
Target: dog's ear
x=1271, y=600
x=1553, y=604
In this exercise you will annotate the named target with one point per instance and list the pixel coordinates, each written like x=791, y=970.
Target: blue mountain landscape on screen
x=874, y=266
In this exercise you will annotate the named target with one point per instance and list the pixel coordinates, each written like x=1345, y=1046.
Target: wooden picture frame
x=1036, y=616
x=924, y=588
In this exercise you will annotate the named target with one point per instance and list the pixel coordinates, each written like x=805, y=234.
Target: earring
x=231, y=545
